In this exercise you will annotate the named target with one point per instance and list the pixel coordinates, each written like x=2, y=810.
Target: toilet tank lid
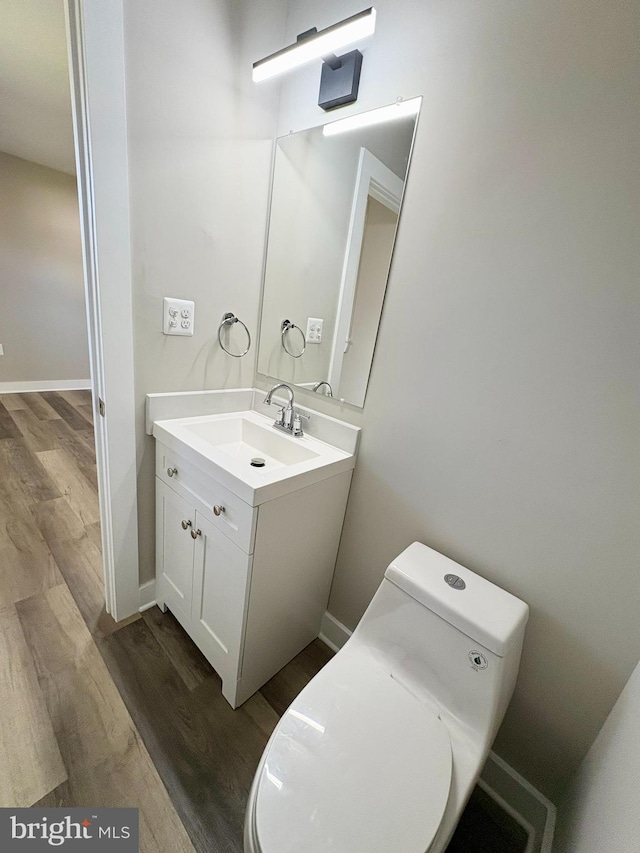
x=483, y=611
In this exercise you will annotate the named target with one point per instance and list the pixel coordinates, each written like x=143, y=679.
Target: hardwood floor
x=205, y=752
x=97, y=713
x=32, y=763
x=106, y=760
x=66, y=736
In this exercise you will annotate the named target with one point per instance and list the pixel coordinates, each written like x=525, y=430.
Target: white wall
x=43, y=326
x=200, y=143
x=600, y=809
x=502, y=418
x=35, y=112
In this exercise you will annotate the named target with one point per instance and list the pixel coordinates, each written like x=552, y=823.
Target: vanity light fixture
x=401, y=109
x=340, y=74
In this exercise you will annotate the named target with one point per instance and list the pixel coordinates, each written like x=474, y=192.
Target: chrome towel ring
x=229, y=319
x=286, y=327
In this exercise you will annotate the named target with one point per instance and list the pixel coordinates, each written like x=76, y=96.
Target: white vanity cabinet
x=249, y=584
x=203, y=580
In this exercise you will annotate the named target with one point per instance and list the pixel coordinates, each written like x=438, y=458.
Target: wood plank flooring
x=93, y=713
x=107, y=762
x=66, y=736
x=32, y=763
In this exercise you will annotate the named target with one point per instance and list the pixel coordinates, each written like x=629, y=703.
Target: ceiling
x=35, y=104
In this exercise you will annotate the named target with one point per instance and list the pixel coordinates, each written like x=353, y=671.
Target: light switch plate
x=178, y=316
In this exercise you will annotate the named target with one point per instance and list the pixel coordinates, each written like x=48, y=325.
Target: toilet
x=382, y=749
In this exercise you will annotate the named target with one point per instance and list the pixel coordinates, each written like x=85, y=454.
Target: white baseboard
x=508, y=809
x=333, y=633
x=535, y=811
x=147, y=595
x=45, y=385
x=531, y=809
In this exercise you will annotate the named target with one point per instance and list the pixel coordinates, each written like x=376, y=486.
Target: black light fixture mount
x=340, y=80
x=340, y=77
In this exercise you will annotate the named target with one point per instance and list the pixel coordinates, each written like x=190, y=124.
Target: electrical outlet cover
x=314, y=330
x=178, y=316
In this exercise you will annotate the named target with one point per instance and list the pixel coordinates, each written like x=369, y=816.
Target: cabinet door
x=221, y=579
x=174, y=550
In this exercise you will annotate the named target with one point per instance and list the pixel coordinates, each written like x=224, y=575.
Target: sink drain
x=258, y=462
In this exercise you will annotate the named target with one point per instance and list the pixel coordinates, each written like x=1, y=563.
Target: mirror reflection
x=334, y=212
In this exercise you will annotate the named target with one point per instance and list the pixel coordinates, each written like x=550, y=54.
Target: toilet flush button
x=455, y=581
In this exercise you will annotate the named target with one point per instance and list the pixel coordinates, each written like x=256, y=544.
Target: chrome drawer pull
x=172, y=472
x=196, y=533
x=218, y=509
x=186, y=524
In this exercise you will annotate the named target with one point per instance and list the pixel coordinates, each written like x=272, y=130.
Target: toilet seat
x=356, y=765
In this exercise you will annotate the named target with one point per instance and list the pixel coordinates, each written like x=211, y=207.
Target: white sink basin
x=223, y=446
x=243, y=439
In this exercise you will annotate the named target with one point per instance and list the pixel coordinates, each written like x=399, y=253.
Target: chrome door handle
x=196, y=533
x=218, y=509
x=186, y=524
x=172, y=472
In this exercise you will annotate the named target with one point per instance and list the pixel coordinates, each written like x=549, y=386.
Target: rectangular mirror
x=335, y=203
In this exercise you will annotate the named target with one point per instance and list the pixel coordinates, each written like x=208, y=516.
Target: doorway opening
x=64, y=104
x=49, y=499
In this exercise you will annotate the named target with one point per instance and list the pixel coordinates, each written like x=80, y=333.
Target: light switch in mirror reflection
x=335, y=203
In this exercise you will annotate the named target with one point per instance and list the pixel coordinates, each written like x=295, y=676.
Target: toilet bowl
x=382, y=749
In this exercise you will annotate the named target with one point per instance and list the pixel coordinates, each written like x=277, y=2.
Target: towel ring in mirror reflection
x=286, y=327
x=229, y=319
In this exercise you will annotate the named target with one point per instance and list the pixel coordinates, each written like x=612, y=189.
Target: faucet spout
x=319, y=385
x=275, y=388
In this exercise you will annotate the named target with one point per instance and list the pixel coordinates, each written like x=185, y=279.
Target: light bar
x=314, y=46
x=401, y=109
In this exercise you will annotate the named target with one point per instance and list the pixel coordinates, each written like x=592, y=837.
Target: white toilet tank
x=449, y=636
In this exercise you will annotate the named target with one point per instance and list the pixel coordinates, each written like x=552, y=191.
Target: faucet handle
x=297, y=424
x=280, y=416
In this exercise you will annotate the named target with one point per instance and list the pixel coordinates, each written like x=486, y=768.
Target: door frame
x=95, y=40
x=373, y=179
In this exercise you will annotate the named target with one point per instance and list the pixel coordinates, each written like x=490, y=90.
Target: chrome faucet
x=288, y=420
x=319, y=385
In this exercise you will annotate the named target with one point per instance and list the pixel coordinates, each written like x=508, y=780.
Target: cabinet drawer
x=236, y=518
